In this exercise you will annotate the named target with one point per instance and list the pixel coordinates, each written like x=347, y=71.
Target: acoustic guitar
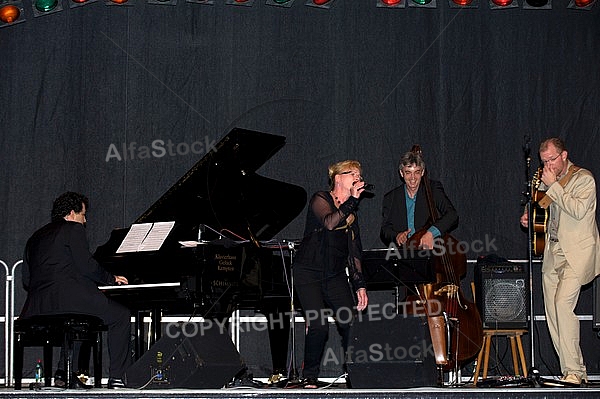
x=540, y=215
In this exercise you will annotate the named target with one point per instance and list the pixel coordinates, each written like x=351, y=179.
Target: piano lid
x=223, y=191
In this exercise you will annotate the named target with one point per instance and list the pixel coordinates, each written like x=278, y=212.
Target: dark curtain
x=352, y=81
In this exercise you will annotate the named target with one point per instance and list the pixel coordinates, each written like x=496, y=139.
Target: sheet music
x=136, y=235
x=145, y=237
x=157, y=235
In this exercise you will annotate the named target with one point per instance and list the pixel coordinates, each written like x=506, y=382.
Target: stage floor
x=334, y=392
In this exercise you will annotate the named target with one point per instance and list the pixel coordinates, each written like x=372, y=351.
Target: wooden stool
x=514, y=337
x=58, y=330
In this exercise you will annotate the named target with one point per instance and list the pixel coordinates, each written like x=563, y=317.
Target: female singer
x=331, y=244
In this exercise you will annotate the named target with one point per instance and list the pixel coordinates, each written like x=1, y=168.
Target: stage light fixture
x=45, y=7
x=245, y=3
x=463, y=3
x=119, y=3
x=163, y=2
x=319, y=3
x=79, y=3
x=503, y=4
x=581, y=4
x=537, y=4
x=11, y=13
x=391, y=3
x=423, y=3
x=205, y=2
x=280, y=3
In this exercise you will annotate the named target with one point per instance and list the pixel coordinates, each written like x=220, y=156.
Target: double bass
x=455, y=328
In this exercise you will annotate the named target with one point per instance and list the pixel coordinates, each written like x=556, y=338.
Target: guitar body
x=540, y=220
x=539, y=216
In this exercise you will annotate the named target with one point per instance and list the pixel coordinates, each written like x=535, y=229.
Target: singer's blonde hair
x=341, y=167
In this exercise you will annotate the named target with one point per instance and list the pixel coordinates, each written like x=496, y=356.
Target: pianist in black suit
x=405, y=208
x=331, y=245
x=60, y=276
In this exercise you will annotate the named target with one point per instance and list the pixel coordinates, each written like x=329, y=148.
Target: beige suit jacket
x=577, y=228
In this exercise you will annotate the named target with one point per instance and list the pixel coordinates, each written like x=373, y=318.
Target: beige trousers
x=561, y=292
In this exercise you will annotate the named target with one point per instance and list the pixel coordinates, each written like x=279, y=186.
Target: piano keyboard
x=136, y=286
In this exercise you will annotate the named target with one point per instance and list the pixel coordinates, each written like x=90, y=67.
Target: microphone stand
x=293, y=377
x=529, y=207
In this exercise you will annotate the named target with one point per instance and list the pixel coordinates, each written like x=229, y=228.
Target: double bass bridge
x=451, y=291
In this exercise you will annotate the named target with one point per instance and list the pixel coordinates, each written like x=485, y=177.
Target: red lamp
x=9, y=13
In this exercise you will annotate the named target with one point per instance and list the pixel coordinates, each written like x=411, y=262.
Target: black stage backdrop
x=351, y=81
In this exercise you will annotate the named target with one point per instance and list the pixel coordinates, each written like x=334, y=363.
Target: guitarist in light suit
x=571, y=253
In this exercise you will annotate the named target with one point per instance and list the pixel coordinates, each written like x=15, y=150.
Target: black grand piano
x=234, y=212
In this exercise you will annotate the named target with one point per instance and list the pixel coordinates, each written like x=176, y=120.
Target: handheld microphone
x=369, y=187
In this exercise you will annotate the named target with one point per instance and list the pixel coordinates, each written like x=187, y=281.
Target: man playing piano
x=61, y=276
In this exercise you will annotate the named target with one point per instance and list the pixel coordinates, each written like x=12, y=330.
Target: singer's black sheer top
x=330, y=242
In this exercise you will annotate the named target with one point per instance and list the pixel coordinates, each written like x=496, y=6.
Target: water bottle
x=39, y=371
x=158, y=373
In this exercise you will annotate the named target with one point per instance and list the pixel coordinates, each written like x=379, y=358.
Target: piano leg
x=279, y=331
x=155, y=326
x=154, y=330
x=139, y=334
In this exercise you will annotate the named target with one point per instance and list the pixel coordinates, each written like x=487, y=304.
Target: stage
x=247, y=340
x=466, y=392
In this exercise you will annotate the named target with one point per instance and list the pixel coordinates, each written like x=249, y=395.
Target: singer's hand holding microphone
x=368, y=187
x=361, y=186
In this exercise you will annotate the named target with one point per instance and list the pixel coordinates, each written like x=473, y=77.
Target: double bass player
x=405, y=207
x=418, y=215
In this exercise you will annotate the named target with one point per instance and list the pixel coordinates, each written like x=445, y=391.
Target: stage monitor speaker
x=502, y=294
x=391, y=353
x=189, y=355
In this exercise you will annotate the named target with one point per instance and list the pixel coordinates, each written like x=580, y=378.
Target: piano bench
x=60, y=330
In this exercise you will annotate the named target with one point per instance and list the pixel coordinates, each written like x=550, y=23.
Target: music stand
x=417, y=267
x=293, y=377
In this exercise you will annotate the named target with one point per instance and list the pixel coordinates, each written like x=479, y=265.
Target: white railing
x=7, y=330
x=9, y=321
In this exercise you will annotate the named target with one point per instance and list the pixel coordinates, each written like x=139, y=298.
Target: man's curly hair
x=66, y=203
